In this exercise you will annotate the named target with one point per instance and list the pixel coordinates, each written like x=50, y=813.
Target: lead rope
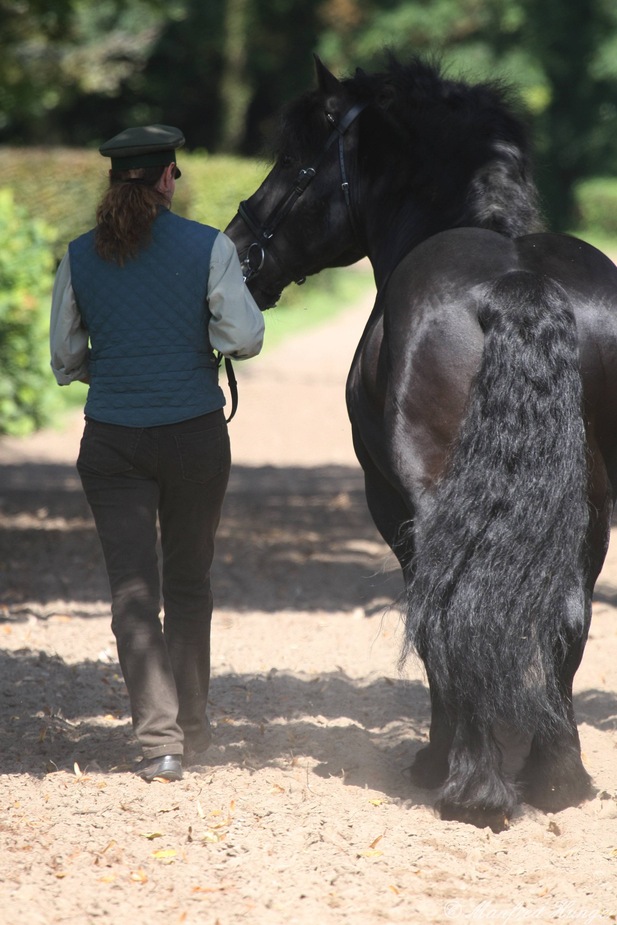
x=232, y=382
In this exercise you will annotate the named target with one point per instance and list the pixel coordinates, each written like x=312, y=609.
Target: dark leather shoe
x=167, y=767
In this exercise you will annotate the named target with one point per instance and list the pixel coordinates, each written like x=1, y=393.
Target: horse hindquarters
x=496, y=606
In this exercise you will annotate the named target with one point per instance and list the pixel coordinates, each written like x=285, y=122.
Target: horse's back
x=445, y=279
x=429, y=338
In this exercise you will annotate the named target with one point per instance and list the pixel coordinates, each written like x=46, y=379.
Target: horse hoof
x=552, y=797
x=554, y=785
x=482, y=817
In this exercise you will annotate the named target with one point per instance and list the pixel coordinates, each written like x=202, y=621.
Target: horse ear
x=326, y=81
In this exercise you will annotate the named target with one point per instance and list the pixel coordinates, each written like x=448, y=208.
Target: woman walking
x=139, y=305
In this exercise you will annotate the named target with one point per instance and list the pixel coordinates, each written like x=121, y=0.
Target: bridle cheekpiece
x=264, y=232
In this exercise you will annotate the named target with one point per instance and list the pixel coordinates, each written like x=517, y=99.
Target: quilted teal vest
x=151, y=361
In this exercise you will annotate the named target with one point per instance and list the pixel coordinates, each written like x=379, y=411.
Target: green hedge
x=27, y=395
x=63, y=187
x=212, y=186
x=60, y=186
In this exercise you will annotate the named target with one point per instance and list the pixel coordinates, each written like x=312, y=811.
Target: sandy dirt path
x=305, y=813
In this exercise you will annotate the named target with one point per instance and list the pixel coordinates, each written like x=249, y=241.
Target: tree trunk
x=235, y=89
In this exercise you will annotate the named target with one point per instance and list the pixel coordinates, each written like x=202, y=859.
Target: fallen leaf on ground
x=163, y=853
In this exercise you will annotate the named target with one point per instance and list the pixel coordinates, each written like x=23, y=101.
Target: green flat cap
x=143, y=146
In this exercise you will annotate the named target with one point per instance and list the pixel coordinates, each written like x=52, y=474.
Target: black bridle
x=264, y=232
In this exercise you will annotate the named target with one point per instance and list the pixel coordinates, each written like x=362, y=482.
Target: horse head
x=376, y=163
x=301, y=219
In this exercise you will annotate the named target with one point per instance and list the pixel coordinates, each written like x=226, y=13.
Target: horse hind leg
x=430, y=764
x=554, y=777
x=477, y=790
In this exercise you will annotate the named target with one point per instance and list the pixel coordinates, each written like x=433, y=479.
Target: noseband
x=265, y=231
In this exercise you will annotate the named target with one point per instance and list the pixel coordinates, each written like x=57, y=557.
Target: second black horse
x=483, y=403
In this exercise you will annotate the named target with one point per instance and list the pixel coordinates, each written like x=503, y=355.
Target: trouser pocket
x=107, y=449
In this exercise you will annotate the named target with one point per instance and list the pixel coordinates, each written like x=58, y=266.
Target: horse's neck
x=392, y=229
x=387, y=248
x=394, y=224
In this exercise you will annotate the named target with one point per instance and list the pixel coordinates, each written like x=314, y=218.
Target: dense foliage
x=26, y=395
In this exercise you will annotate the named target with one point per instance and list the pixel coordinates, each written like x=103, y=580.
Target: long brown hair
x=126, y=213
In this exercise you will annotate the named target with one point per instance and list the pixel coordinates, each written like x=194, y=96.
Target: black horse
x=483, y=403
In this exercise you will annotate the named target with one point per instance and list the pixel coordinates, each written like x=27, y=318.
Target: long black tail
x=497, y=586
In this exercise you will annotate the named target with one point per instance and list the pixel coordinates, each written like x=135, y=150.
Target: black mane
x=461, y=149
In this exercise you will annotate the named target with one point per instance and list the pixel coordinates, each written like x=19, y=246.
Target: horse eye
x=286, y=160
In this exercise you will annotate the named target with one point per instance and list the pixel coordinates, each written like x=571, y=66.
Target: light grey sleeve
x=68, y=339
x=237, y=325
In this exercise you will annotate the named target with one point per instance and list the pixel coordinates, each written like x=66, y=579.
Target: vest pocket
x=204, y=454
x=107, y=449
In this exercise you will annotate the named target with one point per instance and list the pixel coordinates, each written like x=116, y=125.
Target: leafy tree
x=576, y=131
x=55, y=58
x=234, y=84
x=28, y=70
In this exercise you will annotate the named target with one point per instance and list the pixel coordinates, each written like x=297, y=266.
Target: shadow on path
x=363, y=730
x=290, y=538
